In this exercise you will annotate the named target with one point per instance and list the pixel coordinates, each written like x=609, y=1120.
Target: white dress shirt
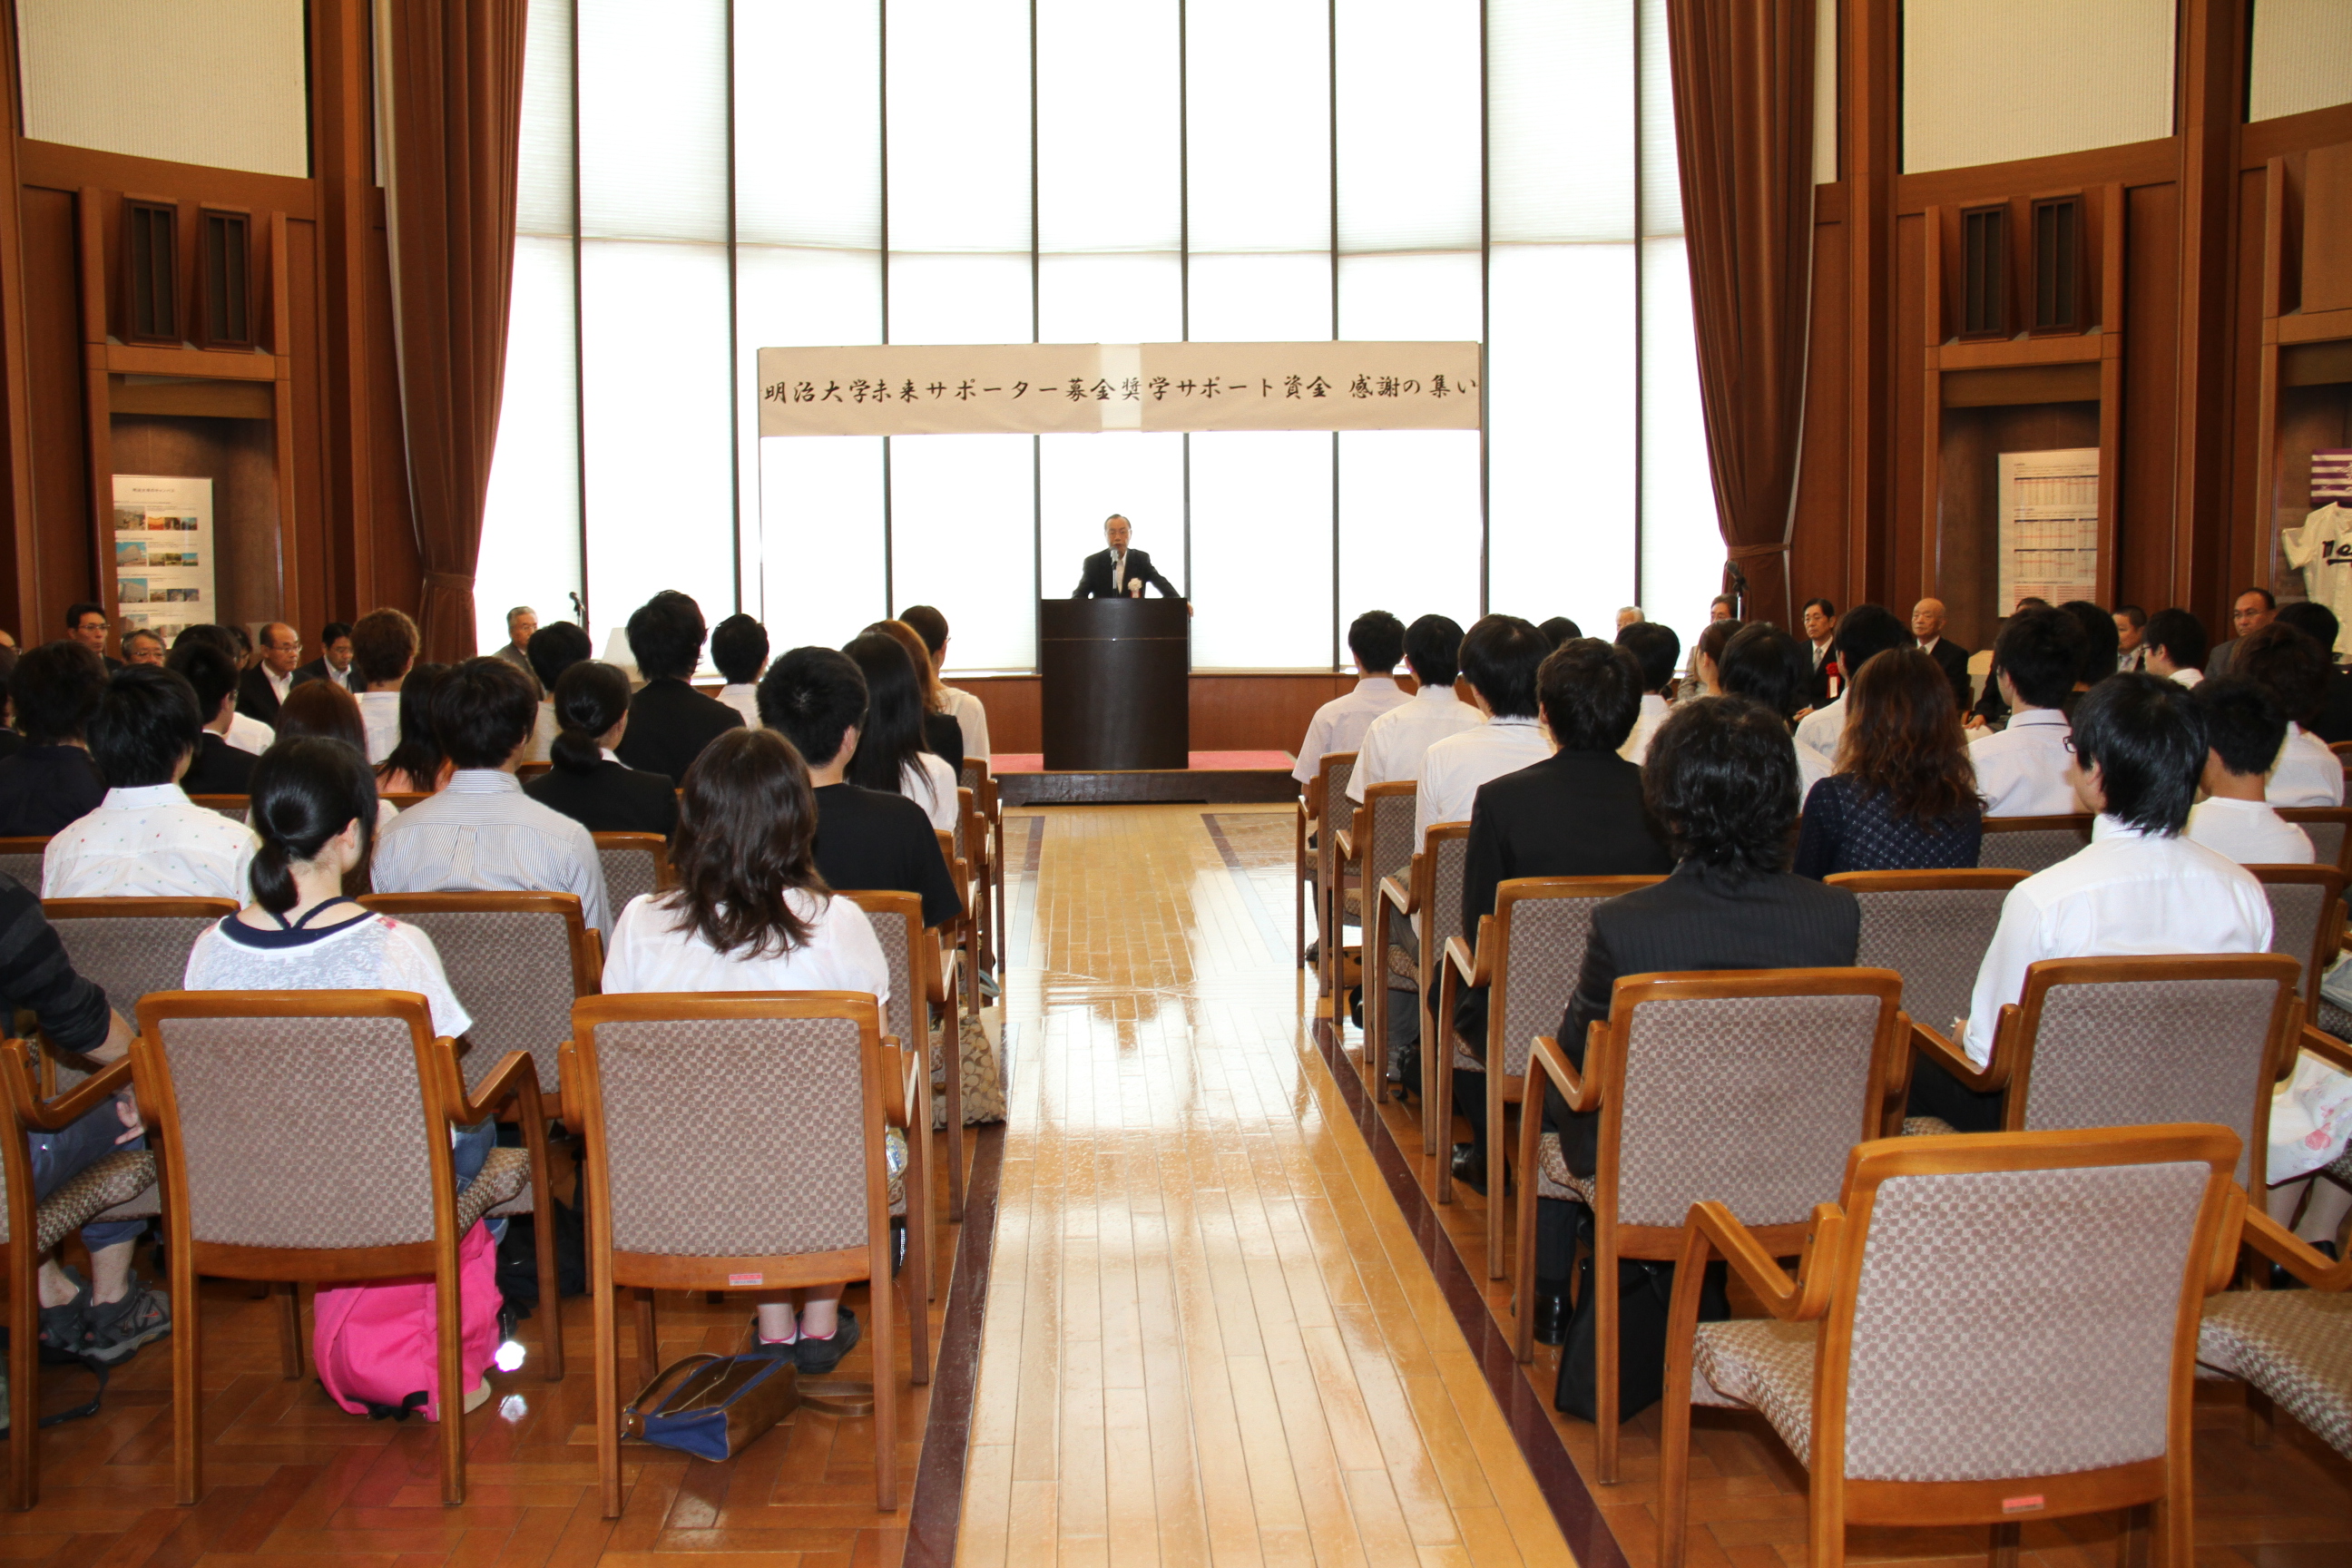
x=971, y=719
x=375, y=952
x=152, y=842
x=933, y=789
x=280, y=685
x=1452, y=769
x=2189, y=676
x=2249, y=832
x=1395, y=742
x=481, y=833
x=542, y=732
x=743, y=696
x=1340, y=724
x=1812, y=768
x=1823, y=729
x=2126, y=894
x=342, y=677
x=654, y=949
x=2021, y=771
x=379, y=712
x=2306, y=771
x=1654, y=712
x=250, y=734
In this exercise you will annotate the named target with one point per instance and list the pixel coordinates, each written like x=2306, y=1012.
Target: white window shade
x=2302, y=58
x=1986, y=81
x=1409, y=524
x=1110, y=298
x=958, y=125
x=653, y=119
x=821, y=514
x=1662, y=181
x=1088, y=478
x=959, y=298
x=1682, y=542
x=963, y=538
x=530, y=517
x=1108, y=118
x=1258, y=125
x=1559, y=121
x=808, y=123
x=543, y=173
x=1261, y=298
x=1408, y=115
x=1261, y=551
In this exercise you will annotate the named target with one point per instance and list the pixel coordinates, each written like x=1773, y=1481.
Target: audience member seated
x=245, y=732
x=325, y=711
x=2250, y=612
x=1706, y=677
x=86, y=624
x=942, y=736
x=866, y=840
x=2139, y=887
x=481, y=832
x=2295, y=671
x=1820, y=621
x=1500, y=655
x=1395, y=742
x=2101, y=644
x=670, y=721
x=1654, y=647
x=1864, y=630
x=1376, y=641
x=418, y=765
x=383, y=647
x=2131, y=626
x=2243, y=731
x=147, y=839
x=1904, y=797
x=1578, y=813
x=334, y=660
x=891, y=750
x=1766, y=664
x=265, y=686
x=11, y=743
x=219, y=768
x=2318, y=622
x=932, y=628
x=143, y=647
x=588, y=783
x=2174, y=644
x=739, y=646
x=522, y=625
x=1559, y=630
x=554, y=648
x=51, y=780
x=2021, y=771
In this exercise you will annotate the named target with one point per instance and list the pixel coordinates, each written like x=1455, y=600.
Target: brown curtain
x=1743, y=75
x=453, y=81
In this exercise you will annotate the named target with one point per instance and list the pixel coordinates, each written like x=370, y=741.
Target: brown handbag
x=713, y=1406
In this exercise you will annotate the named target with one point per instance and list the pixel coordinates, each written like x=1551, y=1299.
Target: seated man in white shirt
x=1655, y=648
x=2295, y=671
x=1499, y=659
x=1861, y=632
x=2139, y=888
x=2243, y=731
x=739, y=646
x=1766, y=664
x=970, y=715
x=481, y=832
x=2022, y=771
x=2173, y=645
x=1376, y=639
x=147, y=838
x=384, y=647
x=1391, y=749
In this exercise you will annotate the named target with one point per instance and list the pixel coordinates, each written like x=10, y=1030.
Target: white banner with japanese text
x=1070, y=388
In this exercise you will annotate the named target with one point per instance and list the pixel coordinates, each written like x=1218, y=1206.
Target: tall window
x=705, y=178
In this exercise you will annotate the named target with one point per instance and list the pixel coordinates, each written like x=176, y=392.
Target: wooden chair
x=1382, y=829
x=2031, y=843
x=1436, y=901
x=2287, y=1346
x=293, y=1150
x=2326, y=825
x=402, y=799
x=1322, y=808
x=2049, y=1374
x=232, y=806
x=519, y=960
x=126, y=947
x=977, y=778
x=634, y=864
x=963, y=931
x=22, y=857
x=972, y=850
x=736, y=1142
x=922, y=977
x=2306, y=920
x=1745, y=1088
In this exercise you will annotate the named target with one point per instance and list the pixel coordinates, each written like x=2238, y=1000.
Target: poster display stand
x=164, y=559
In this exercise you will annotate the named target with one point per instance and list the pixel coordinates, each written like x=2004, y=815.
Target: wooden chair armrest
x=1400, y=898
x=1344, y=841
x=1457, y=957
x=1711, y=1226
x=515, y=1078
x=567, y=1075
x=2298, y=1256
x=1547, y=1060
x=1994, y=1075
x=898, y=1068
x=2326, y=1047
x=55, y=1115
x=941, y=962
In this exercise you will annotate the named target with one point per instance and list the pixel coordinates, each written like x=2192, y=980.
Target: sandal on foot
x=818, y=1357
x=115, y=1328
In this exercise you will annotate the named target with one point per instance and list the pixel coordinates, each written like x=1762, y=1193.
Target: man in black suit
x=1119, y=573
x=86, y=624
x=1927, y=626
x=334, y=660
x=1821, y=637
x=669, y=722
x=265, y=686
x=218, y=768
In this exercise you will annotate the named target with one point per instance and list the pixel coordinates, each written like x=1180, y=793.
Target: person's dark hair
x=554, y=648
x=1721, y=780
x=1500, y=655
x=929, y=695
x=746, y=841
x=1556, y=631
x=891, y=743
x=2101, y=641
x=483, y=711
x=2147, y=740
x=1377, y=639
x=2270, y=600
x=2313, y=620
x=814, y=696
x=1865, y=630
x=1903, y=739
x=1766, y=664
x=321, y=710
x=666, y=635
x=2033, y=601
x=243, y=638
x=930, y=624
x=2134, y=613
x=2244, y=725
x=2289, y=665
x=329, y=632
x=591, y=698
x=1432, y=649
x=1656, y=648
x=2180, y=635
x=145, y=722
x=1714, y=640
x=9, y=656
x=739, y=646
x=210, y=636
x=1827, y=608
x=209, y=672
x=383, y=644
x=303, y=793
x=55, y=689
x=418, y=753
x=74, y=612
x=2040, y=651
x=1591, y=694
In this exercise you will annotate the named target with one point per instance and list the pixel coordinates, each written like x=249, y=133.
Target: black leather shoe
x=2282, y=1280
x=1470, y=1167
x=1406, y=1074
x=1551, y=1317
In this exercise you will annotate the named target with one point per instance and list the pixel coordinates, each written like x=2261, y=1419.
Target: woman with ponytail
x=588, y=783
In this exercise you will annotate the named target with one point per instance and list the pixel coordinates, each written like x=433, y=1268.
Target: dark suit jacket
x=2217, y=659
x=42, y=788
x=1095, y=582
x=670, y=723
x=1696, y=918
x=219, y=768
x=943, y=738
x=1817, y=687
x=1575, y=813
x=1954, y=660
x=255, y=697
x=2334, y=721
x=314, y=670
x=609, y=798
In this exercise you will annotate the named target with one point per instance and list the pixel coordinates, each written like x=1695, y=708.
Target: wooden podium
x=1115, y=676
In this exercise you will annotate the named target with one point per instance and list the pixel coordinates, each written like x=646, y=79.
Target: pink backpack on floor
x=376, y=1347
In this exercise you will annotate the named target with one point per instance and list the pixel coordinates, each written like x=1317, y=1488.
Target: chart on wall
x=164, y=553
x=2049, y=526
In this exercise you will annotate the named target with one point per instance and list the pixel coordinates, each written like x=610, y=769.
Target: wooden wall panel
x=324, y=538
x=1909, y=528
x=1229, y=712
x=1015, y=723
x=1820, y=564
x=2144, y=568
x=1973, y=441
x=238, y=455
x=64, y=558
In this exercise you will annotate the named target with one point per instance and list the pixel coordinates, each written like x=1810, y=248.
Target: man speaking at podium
x=1119, y=573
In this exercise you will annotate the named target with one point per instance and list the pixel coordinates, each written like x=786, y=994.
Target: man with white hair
x=522, y=621
x=1630, y=614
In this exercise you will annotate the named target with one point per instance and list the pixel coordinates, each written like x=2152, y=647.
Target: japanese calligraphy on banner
x=1064, y=388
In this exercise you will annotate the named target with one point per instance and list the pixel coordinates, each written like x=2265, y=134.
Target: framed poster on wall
x=164, y=553
x=2049, y=526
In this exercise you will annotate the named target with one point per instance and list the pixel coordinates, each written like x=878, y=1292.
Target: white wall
x=2301, y=57
x=1986, y=81
x=220, y=82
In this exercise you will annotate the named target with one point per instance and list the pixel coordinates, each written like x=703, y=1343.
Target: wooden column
x=2211, y=76
x=15, y=381
x=1870, y=37
x=343, y=119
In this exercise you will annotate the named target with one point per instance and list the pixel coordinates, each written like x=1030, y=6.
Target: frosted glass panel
x=544, y=169
x=821, y=515
x=1559, y=120
x=1262, y=549
x=1561, y=462
x=1408, y=523
x=1261, y=298
x=808, y=122
x=1409, y=123
x=531, y=523
x=1434, y=296
x=661, y=500
x=963, y=538
x=1088, y=478
x=1259, y=123
x=960, y=299
x=653, y=119
x=1682, y=546
x=1110, y=298
x=958, y=110
x=1661, y=183
x=1107, y=119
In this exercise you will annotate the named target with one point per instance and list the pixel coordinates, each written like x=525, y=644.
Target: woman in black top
x=587, y=782
x=1904, y=797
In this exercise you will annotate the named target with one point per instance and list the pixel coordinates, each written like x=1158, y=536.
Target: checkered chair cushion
x=1553, y=1178
x=1926, y=1127
x=1763, y=1364
x=2333, y=1020
x=2294, y=1346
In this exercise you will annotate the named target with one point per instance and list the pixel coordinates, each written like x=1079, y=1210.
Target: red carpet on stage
x=1005, y=763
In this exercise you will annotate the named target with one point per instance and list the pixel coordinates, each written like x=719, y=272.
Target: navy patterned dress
x=1849, y=829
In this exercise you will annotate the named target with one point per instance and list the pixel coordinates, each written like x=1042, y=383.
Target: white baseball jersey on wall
x=2322, y=547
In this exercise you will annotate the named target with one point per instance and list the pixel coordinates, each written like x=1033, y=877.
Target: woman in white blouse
x=891, y=756
x=750, y=913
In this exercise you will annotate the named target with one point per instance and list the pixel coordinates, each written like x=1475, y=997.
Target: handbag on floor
x=983, y=1080
x=1645, y=1293
x=713, y=1406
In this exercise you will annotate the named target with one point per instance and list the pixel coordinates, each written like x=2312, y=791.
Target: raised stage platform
x=1213, y=778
